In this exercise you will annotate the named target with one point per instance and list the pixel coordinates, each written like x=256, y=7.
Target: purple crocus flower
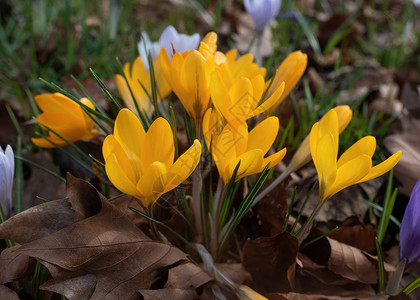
x=410, y=229
x=417, y=3
x=262, y=11
x=7, y=171
x=168, y=39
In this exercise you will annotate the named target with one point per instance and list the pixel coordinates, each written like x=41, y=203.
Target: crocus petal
x=270, y=102
x=242, y=101
x=326, y=162
x=158, y=144
x=239, y=129
x=118, y=176
x=57, y=103
x=125, y=92
x=409, y=232
x=273, y=159
x=365, y=145
x=383, y=167
x=129, y=132
x=313, y=142
x=152, y=184
x=183, y=166
x=220, y=97
x=290, y=71
x=349, y=173
x=144, y=46
x=169, y=40
x=7, y=170
x=163, y=87
x=246, y=293
x=344, y=114
x=223, y=148
x=210, y=40
x=263, y=135
x=261, y=11
x=131, y=168
x=251, y=162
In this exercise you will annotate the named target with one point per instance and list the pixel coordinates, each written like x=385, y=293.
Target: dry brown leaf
x=91, y=248
x=170, y=293
x=47, y=218
x=187, y=275
x=271, y=211
x=13, y=265
x=38, y=221
x=320, y=273
x=108, y=245
x=235, y=272
x=351, y=263
x=7, y=294
x=353, y=233
x=106, y=249
x=271, y=261
x=75, y=286
x=407, y=171
x=320, y=296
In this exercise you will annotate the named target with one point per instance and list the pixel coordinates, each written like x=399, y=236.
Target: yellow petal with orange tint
x=383, y=167
x=183, y=166
x=118, y=176
x=273, y=159
x=251, y=162
x=152, y=184
x=130, y=133
x=158, y=144
x=263, y=135
x=365, y=145
x=348, y=174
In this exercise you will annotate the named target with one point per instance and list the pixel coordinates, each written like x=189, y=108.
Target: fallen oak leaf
x=169, y=293
x=352, y=232
x=7, y=294
x=37, y=222
x=111, y=247
x=320, y=296
x=351, y=263
x=75, y=286
x=13, y=264
x=187, y=275
x=271, y=261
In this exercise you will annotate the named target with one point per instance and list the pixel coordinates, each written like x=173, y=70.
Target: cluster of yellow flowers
x=220, y=92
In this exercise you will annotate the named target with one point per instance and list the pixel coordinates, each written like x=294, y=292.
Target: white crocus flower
x=7, y=171
x=262, y=11
x=169, y=39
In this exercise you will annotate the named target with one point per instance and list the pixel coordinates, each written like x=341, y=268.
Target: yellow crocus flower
x=235, y=144
x=141, y=163
x=353, y=166
x=240, y=98
x=303, y=155
x=243, y=66
x=246, y=293
x=189, y=76
x=138, y=74
x=290, y=71
x=65, y=117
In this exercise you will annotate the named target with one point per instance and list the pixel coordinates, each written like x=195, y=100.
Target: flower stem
x=393, y=286
x=303, y=232
x=272, y=185
x=258, y=48
x=196, y=189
